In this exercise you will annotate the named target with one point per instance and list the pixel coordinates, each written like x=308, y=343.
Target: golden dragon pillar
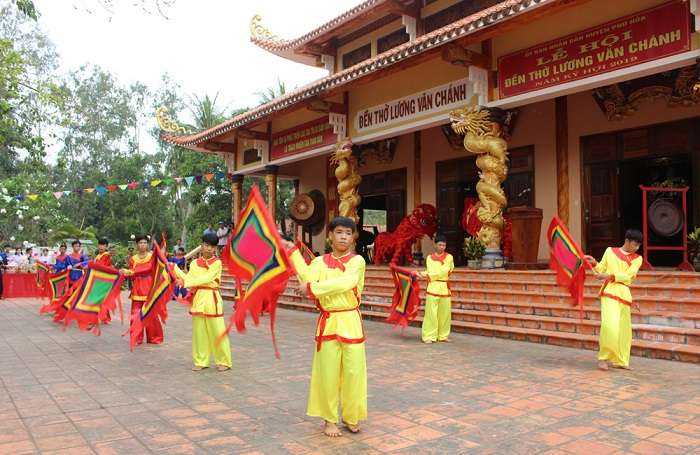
x=348, y=179
x=485, y=130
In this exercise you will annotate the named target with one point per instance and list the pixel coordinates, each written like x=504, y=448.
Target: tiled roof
x=282, y=46
x=463, y=27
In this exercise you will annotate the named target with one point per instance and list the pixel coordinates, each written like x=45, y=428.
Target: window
x=251, y=156
x=392, y=40
x=455, y=13
x=358, y=55
x=520, y=182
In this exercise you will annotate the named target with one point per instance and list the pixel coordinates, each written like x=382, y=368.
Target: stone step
x=640, y=347
x=591, y=311
x=650, y=332
x=655, y=277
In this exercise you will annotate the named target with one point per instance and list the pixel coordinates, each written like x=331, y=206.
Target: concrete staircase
x=529, y=306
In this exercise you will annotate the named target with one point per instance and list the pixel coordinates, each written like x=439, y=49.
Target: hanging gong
x=308, y=209
x=665, y=218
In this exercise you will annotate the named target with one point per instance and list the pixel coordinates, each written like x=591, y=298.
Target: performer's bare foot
x=331, y=430
x=222, y=368
x=428, y=342
x=603, y=365
x=621, y=367
x=198, y=368
x=446, y=340
x=352, y=428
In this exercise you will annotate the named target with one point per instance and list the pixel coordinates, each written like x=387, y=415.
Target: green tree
x=270, y=93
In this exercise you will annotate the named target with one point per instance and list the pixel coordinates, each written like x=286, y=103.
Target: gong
x=308, y=209
x=665, y=218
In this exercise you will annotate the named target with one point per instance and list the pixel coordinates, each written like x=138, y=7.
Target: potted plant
x=694, y=248
x=474, y=249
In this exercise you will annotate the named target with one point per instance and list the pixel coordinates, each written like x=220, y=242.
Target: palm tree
x=271, y=93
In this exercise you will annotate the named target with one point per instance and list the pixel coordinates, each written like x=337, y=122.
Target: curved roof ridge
x=458, y=29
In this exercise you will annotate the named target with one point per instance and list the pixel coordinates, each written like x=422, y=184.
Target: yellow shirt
x=622, y=269
x=336, y=285
x=204, y=280
x=438, y=270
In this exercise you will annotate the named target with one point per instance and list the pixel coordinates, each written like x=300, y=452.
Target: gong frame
x=685, y=264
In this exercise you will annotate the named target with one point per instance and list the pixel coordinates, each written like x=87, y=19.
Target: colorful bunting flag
x=89, y=190
x=123, y=187
x=32, y=197
x=189, y=180
x=101, y=190
x=94, y=297
x=567, y=259
x=154, y=309
x=255, y=253
x=155, y=182
x=58, y=194
x=406, y=300
x=209, y=177
x=112, y=188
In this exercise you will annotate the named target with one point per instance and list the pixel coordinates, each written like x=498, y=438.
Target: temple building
x=593, y=100
x=602, y=98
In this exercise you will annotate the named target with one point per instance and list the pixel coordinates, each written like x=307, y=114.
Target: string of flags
x=102, y=190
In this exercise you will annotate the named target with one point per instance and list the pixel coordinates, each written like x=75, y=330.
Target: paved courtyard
x=72, y=392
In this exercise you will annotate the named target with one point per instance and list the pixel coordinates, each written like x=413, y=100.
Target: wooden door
x=455, y=180
x=601, y=211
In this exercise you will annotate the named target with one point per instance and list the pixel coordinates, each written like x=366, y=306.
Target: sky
x=203, y=44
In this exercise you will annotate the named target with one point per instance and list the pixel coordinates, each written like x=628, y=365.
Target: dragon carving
x=484, y=130
x=395, y=246
x=348, y=179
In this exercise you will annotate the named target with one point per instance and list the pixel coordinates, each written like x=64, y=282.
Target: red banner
x=305, y=137
x=641, y=37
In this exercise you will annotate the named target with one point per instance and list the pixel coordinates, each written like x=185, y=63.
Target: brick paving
x=71, y=392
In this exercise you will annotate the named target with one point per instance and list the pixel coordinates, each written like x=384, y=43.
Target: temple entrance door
x=456, y=179
x=383, y=204
x=600, y=207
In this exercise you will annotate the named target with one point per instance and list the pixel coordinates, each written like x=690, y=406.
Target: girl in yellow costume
x=339, y=370
x=437, y=319
x=617, y=269
x=207, y=311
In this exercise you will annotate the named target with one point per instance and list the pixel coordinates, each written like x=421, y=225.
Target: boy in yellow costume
x=203, y=281
x=617, y=269
x=437, y=319
x=339, y=370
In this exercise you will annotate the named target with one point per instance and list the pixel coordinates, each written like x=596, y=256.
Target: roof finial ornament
x=166, y=123
x=259, y=31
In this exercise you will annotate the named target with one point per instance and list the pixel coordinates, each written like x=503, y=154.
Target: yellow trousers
x=437, y=319
x=339, y=377
x=205, y=334
x=615, y=332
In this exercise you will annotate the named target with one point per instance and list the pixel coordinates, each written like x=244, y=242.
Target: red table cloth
x=20, y=285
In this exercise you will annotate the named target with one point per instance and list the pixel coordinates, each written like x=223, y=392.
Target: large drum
x=308, y=209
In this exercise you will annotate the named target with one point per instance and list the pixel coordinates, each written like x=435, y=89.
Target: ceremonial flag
x=93, y=297
x=154, y=310
x=58, y=284
x=42, y=274
x=566, y=258
x=305, y=251
x=255, y=253
x=406, y=300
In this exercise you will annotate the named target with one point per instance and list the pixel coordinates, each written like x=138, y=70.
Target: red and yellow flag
x=93, y=297
x=154, y=310
x=57, y=285
x=566, y=258
x=406, y=300
x=255, y=253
